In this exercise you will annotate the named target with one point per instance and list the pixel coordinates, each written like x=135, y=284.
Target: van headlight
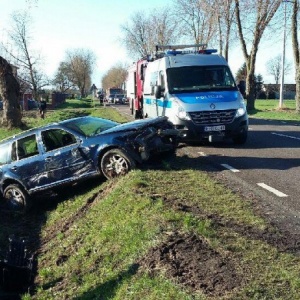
x=241, y=110
x=180, y=112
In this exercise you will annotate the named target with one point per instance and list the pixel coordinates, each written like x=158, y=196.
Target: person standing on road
x=42, y=107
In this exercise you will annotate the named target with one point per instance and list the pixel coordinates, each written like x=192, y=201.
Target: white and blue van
x=198, y=94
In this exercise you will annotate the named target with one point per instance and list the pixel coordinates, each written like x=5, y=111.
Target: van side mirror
x=158, y=91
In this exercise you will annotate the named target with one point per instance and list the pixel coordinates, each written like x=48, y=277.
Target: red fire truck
x=134, y=86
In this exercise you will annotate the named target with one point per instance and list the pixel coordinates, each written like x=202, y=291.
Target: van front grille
x=213, y=117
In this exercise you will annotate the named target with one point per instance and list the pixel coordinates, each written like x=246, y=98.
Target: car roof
x=25, y=133
x=36, y=129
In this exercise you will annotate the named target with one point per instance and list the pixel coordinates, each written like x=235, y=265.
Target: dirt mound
x=190, y=261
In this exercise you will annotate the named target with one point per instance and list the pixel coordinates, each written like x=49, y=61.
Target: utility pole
x=281, y=97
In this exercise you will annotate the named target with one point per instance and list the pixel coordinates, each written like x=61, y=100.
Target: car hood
x=136, y=125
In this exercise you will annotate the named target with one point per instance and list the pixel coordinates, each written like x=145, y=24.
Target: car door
x=64, y=158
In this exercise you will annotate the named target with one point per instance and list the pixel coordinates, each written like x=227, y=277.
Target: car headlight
x=180, y=112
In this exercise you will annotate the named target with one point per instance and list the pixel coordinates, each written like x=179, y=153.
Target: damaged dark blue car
x=57, y=154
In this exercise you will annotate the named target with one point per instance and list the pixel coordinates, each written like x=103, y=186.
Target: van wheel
x=16, y=198
x=241, y=138
x=115, y=163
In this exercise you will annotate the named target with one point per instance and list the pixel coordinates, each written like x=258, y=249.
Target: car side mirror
x=158, y=91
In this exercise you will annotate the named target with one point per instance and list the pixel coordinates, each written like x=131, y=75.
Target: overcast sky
x=60, y=25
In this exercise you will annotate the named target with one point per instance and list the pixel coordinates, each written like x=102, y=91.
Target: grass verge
x=98, y=240
x=269, y=109
x=95, y=253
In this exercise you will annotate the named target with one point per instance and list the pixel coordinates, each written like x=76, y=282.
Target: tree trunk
x=297, y=97
x=265, y=10
x=82, y=93
x=9, y=91
x=296, y=53
x=250, y=91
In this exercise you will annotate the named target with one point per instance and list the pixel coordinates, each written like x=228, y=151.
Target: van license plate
x=214, y=128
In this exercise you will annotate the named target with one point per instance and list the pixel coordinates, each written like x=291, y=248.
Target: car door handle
x=48, y=158
x=14, y=168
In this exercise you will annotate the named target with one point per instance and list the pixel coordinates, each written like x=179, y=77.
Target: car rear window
x=24, y=147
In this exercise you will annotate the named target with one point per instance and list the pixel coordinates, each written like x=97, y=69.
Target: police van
x=197, y=92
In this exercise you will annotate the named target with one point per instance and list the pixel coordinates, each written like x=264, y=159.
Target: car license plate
x=214, y=128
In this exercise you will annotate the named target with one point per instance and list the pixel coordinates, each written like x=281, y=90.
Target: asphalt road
x=267, y=166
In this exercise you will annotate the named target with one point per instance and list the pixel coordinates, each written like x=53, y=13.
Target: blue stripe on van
x=158, y=102
x=194, y=98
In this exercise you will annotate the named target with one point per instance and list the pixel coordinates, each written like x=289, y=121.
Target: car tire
x=115, y=163
x=241, y=138
x=16, y=198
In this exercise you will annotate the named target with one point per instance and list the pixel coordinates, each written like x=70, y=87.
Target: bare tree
x=79, y=68
x=114, y=77
x=9, y=92
x=144, y=31
x=196, y=19
x=296, y=51
x=63, y=79
x=27, y=61
x=261, y=13
x=224, y=14
x=274, y=66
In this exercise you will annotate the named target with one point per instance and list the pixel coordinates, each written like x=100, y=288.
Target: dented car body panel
x=66, y=152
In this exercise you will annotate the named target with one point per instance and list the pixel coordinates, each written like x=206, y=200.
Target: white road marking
x=230, y=168
x=284, y=135
x=272, y=190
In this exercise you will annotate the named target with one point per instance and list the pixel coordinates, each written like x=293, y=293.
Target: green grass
x=269, y=109
x=102, y=247
x=70, y=109
x=92, y=240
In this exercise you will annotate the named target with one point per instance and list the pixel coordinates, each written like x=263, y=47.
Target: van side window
x=153, y=81
x=162, y=80
x=24, y=147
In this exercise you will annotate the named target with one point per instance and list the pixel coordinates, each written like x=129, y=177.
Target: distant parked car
x=110, y=98
x=54, y=155
x=32, y=104
x=119, y=99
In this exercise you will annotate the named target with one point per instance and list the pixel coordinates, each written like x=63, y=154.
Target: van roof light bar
x=174, y=47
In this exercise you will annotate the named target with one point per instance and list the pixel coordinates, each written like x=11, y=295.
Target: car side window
x=4, y=150
x=24, y=147
x=57, y=138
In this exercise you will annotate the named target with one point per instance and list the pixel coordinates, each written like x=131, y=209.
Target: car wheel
x=116, y=162
x=241, y=138
x=16, y=198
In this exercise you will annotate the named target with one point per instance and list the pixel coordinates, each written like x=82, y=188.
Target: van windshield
x=200, y=78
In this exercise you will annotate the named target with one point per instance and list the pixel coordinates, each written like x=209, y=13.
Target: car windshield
x=89, y=126
x=200, y=78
